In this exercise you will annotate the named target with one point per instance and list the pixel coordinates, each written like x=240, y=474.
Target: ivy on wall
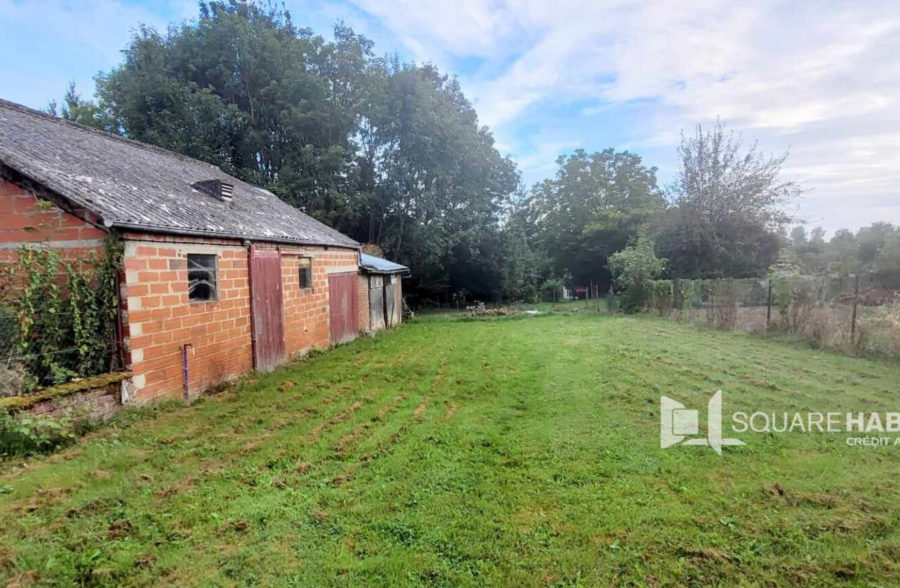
x=59, y=317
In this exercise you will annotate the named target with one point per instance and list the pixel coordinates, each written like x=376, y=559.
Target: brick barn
x=219, y=276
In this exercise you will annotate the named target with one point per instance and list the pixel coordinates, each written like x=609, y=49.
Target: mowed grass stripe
x=517, y=452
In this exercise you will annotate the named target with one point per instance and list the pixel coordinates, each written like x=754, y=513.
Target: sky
x=820, y=79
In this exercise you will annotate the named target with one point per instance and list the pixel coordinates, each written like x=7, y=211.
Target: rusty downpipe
x=185, y=350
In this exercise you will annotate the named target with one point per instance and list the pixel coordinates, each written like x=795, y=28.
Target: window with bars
x=306, y=278
x=202, y=276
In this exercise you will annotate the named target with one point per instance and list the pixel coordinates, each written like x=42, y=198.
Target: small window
x=201, y=277
x=306, y=280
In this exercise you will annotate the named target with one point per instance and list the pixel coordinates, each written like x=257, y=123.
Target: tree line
x=393, y=155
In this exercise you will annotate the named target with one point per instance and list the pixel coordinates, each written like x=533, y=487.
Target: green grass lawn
x=518, y=451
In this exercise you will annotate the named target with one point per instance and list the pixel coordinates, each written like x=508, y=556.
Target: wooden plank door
x=266, y=308
x=376, y=303
x=344, y=305
x=390, y=310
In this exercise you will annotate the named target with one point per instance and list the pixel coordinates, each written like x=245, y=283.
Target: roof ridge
x=133, y=142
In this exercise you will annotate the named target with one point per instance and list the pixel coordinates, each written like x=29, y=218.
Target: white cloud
x=823, y=78
x=820, y=77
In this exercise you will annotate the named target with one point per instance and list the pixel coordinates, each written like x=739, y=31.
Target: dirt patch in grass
x=451, y=410
x=420, y=410
x=334, y=420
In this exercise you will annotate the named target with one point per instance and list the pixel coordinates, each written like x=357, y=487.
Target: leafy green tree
x=728, y=208
x=524, y=266
x=389, y=153
x=551, y=289
x=245, y=89
x=633, y=268
x=438, y=184
x=594, y=205
x=77, y=109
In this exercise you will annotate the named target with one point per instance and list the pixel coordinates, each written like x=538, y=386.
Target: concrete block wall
x=158, y=317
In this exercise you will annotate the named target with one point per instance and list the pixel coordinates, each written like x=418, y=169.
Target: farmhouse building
x=218, y=276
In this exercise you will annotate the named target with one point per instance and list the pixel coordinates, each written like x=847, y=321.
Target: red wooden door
x=266, y=308
x=344, y=306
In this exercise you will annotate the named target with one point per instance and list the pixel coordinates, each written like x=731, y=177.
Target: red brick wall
x=306, y=312
x=161, y=318
x=363, y=289
x=25, y=219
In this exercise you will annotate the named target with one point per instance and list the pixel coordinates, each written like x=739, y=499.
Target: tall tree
x=247, y=90
x=437, y=183
x=592, y=208
x=83, y=111
x=389, y=153
x=728, y=207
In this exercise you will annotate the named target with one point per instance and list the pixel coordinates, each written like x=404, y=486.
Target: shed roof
x=136, y=186
x=377, y=265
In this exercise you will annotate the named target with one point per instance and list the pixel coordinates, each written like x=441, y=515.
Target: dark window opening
x=202, y=277
x=306, y=279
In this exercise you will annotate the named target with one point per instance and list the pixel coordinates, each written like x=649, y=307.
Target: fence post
x=769, y=306
x=853, y=316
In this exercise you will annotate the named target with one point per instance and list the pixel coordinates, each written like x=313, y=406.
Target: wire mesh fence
x=854, y=313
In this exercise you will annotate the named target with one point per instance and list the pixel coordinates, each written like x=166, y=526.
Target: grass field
x=518, y=451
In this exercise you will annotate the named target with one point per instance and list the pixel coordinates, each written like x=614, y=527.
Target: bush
x=552, y=289
x=661, y=296
x=633, y=269
x=24, y=434
x=878, y=331
x=723, y=308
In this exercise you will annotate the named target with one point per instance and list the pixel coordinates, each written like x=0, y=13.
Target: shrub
x=551, y=289
x=723, y=308
x=633, y=269
x=23, y=434
x=878, y=331
x=661, y=296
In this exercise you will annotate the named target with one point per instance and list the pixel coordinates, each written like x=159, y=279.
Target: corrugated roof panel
x=378, y=265
x=138, y=186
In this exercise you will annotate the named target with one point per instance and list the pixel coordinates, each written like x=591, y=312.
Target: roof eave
x=374, y=270
x=223, y=235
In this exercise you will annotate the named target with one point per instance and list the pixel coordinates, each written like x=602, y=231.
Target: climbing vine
x=62, y=314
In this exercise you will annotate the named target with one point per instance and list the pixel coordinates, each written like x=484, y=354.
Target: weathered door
x=390, y=310
x=266, y=308
x=344, y=306
x=376, y=303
